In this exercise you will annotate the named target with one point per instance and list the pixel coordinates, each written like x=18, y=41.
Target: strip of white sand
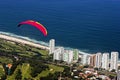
x=19, y=40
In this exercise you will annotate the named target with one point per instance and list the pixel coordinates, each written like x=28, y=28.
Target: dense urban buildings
x=98, y=60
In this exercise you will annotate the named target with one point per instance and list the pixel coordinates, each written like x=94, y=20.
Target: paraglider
x=9, y=66
x=35, y=24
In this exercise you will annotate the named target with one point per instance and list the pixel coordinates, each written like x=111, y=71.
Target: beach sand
x=23, y=41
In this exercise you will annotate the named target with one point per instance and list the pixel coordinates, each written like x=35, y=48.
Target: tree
x=14, y=66
x=113, y=70
x=89, y=76
x=99, y=78
x=81, y=78
x=96, y=68
x=18, y=75
x=75, y=65
x=86, y=66
x=66, y=71
x=101, y=73
x=51, y=76
x=112, y=76
x=37, y=68
x=3, y=77
x=118, y=67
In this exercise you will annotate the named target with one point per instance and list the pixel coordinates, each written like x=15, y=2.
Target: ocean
x=88, y=25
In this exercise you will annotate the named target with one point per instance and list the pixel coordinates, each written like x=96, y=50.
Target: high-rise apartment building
x=105, y=61
x=51, y=46
x=58, y=53
x=98, y=62
x=93, y=60
x=75, y=55
x=65, y=56
x=118, y=75
x=114, y=60
x=68, y=56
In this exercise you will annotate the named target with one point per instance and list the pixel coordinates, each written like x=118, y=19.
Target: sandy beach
x=23, y=41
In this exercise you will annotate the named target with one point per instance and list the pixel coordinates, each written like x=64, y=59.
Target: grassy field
x=1, y=71
x=25, y=68
x=5, y=60
x=12, y=77
x=52, y=69
x=23, y=50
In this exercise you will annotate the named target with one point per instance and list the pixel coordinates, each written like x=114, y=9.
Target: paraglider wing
x=35, y=24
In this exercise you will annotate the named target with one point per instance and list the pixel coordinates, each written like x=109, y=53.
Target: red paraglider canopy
x=35, y=24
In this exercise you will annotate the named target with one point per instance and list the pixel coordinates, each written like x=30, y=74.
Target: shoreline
x=31, y=42
x=22, y=41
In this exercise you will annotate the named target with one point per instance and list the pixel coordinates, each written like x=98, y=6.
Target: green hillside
x=28, y=63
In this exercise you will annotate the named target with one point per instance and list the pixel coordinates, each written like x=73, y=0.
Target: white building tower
x=65, y=56
x=51, y=46
x=58, y=53
x=98, y=62
x=118, y=75
x=68, y=56
x=114, y=60
x=105, y=61
x=89, y=57
x=75, y=55
x=85, y=58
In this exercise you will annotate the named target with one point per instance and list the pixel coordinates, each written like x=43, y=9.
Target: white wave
x=39, y=42
x=81, y=52
x=25, y=38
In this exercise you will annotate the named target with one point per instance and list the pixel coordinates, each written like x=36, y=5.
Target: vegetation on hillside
x=28, y=63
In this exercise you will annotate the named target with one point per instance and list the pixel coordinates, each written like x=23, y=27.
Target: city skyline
x=98, y=60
